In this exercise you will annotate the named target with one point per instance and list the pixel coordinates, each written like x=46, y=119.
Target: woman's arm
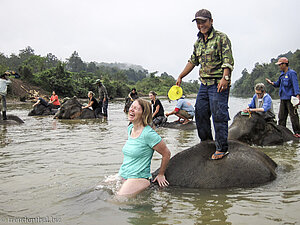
x=89, y=105
x=162, y=149
x=38, y=101
x=156, y=111
x=257, y=110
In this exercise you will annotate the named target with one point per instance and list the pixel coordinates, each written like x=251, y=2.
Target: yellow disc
x=175, y=92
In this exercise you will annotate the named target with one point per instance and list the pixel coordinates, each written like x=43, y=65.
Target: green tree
x=75, y=63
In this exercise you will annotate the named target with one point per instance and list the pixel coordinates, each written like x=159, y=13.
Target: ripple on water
x=59, y=167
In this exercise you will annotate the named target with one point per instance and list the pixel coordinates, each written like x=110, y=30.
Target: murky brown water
x=54, y=171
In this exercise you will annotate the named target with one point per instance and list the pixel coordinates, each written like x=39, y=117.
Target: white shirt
x=3, y=86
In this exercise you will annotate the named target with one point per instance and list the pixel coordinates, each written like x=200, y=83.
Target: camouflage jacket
x=213, y=55
x=102, y=92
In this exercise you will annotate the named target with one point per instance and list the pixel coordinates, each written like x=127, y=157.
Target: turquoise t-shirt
x=138, y=153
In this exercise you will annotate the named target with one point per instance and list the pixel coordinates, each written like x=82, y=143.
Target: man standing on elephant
x=288, y=87
x=213, y=52
x=103, y=97
x=4, y=81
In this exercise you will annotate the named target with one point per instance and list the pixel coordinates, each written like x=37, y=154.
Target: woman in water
x=138, y=151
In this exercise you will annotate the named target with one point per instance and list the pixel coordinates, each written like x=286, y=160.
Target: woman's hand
x=161, y=180
x=246, y=110
x=162, y=149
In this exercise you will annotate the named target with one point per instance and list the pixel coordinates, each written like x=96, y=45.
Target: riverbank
x=20, y=90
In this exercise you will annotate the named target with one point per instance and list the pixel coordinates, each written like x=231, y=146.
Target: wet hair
x=260, y=87
x=153, y=93
x=147, y=113
x=92, y=93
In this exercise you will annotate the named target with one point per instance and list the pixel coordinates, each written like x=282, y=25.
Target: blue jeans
x=209, y=103
x=3, y=99
x=104, y=107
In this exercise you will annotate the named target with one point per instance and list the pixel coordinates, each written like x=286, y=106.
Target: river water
x=54, y=171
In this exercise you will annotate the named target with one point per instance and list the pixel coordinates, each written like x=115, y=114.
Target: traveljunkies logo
x=31, y=220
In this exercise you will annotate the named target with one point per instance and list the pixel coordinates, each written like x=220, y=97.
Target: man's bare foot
x=186, y=122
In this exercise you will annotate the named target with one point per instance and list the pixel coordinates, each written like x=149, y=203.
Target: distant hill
x=123, y=66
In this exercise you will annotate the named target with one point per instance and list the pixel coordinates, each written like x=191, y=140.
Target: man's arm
x=188, y=68
x=295, y=84
x=227, y=63
x=171, y=113
x=269, y=81
x=105, y=93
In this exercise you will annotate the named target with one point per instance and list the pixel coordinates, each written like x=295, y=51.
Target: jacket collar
x=210, y=34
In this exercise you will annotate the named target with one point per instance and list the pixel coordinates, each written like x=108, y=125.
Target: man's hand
x=223, y=85
x=178, y=82
x=269, y=81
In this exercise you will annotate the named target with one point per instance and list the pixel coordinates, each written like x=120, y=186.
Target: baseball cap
x=98, y=81
x=282, y=60
x=202, y=14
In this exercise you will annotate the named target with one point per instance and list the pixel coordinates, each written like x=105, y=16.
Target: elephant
x=41, y=110
x=243, y=167
x=256, y=130
x=11, y=120
x=176, y=125
x=128, y=103
x=72, y=109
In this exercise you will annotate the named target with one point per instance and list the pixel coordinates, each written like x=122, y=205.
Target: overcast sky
x=157, y=34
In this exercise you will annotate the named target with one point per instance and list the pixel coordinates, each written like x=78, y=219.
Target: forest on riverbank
x=244, y=87
x=74, y=77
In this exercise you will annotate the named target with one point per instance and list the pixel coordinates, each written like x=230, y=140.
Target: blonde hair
x=147, y=113
x=92, y=93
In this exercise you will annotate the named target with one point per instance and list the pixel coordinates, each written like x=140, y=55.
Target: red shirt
x=55, y=100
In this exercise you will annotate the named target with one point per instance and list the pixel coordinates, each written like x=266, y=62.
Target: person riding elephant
x=54, y=100
x=71, y=108
x=254, y=129
x=41, y=107
x=130, y=98
x=261, y=103
x=158, y=114
x=94, y=104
